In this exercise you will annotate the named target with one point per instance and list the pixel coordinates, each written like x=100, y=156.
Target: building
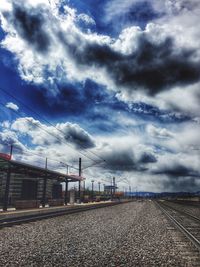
x=24, y=182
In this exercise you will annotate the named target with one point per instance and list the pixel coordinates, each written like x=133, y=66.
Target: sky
x=114, y=82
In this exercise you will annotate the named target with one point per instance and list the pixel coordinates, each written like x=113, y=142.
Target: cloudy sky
x=115, y=82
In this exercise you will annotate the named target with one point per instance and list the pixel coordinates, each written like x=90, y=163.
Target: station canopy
x=34, y=171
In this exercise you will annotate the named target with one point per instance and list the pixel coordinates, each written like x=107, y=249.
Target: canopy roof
x=34, y=171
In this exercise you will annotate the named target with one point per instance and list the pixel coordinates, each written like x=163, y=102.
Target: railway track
x=187, y=223
x=187, y=203
x=8, y=222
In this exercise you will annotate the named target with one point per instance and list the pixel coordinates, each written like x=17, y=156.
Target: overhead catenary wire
x=42, y=156
x=42, y=128
x=58, y=138
x=44, y=119
x=26, y=151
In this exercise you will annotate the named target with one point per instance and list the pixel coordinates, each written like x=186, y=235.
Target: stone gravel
x=132, y=234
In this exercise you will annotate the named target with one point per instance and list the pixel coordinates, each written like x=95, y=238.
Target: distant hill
x=162, y=194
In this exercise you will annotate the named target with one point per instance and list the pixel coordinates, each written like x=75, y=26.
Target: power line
x=49, y=133
x=28, y=152
x=42, y=156
x=37, y=114
x=61, y=140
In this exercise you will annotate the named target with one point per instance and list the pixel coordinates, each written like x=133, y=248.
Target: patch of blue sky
x=139, y=14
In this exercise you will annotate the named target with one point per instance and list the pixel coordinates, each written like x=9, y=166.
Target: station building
x=22, y=183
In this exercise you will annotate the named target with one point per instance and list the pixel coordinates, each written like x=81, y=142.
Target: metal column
x=79, y=182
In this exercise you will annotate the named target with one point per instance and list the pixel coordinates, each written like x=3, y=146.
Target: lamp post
x=66, y=187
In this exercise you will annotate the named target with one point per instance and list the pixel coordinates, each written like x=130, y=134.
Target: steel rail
x=188, y=203
x=7, y=222
x=182, y=212
x=190, y=236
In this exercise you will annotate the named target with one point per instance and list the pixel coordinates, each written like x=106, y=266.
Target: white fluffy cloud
x=153, y=159
x=155, y=65
x=159, y=132
x=42, y=134
x=12, y=106
x=158, y=65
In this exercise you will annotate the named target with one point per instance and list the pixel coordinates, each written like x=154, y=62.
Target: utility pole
x=7, y=189
x=66, y=187
x=79, y=182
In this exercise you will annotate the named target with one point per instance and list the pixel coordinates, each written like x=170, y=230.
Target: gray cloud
x=42, y=134
x=181, y=184
x=30, y=24
x=120, y=160
x=75, y=134
x=147, y=158
x=177, y=170
x=124, y=159
x=8, y=138
x=178, y=177
x=152, y=67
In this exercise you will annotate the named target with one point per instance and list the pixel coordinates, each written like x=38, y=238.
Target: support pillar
x=83, y=190
x=66, y=192
x=7, y=189
x=114, y=187
x=99, y=183
x=44, y=187
x=92, y=190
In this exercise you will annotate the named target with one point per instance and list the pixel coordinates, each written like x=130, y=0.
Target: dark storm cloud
x=125, y=160
x=153, y=67
x=147, y=158
x=181, y=184
x=79, y=137
x=121, y=160
x=179, y=177
x=177, y=170
x=30, y=26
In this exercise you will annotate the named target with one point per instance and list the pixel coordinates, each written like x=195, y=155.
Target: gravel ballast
x=132, y=234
